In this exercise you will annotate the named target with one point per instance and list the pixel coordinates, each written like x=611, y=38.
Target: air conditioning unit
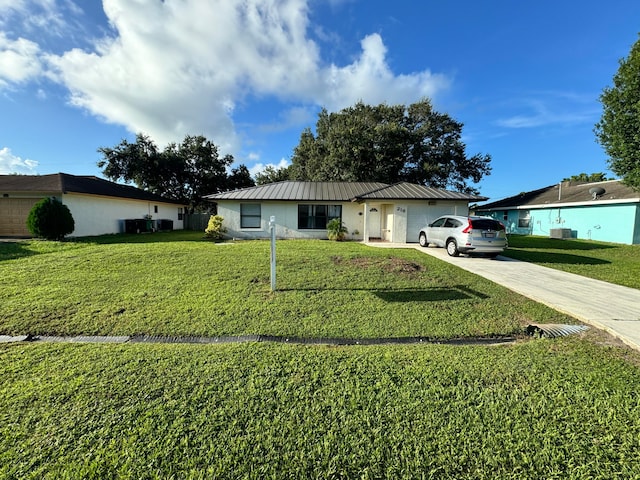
x=560, y=233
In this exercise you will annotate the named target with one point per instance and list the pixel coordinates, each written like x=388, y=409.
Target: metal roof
x=58, y=183
x=568, y=193
x=305, y=191
x=412, y=191
x=341, y=192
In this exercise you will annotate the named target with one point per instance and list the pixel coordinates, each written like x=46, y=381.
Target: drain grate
x=553, y=330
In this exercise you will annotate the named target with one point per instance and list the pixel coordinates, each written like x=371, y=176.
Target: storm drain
x=262, y=338
x=553, y=330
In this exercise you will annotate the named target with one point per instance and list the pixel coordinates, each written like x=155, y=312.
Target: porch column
x=365, y=229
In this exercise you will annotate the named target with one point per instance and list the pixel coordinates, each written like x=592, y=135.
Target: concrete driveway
x=612, y=308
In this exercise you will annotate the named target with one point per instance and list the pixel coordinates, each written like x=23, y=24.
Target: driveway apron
x=613, y=308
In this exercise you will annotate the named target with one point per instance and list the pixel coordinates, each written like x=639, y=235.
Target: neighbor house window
x=250, y=215
x=316, y=217
x=180, y=213
x=524, y=219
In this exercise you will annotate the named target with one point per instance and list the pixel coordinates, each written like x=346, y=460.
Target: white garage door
x=13, y=216
x=420, y=215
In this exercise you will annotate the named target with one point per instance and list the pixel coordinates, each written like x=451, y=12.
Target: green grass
x=609, y=262
x=566, y=408
x=543, y=409
x=177, y=284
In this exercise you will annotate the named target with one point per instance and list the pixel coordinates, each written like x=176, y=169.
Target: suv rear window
x=487, y=224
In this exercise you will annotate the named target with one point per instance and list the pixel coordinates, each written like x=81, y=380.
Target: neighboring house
x=369, y=210
x=605, y=211
x=97, y=206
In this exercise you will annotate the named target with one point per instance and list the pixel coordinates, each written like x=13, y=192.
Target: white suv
x=465, y=235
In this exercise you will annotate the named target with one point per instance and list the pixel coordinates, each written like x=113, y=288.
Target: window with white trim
x=524, y=218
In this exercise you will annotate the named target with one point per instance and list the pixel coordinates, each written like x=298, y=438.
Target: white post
x=272, y=228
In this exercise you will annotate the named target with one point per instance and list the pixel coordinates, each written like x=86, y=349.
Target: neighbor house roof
x=568, y=193
x=58, y=183
x=341, y=192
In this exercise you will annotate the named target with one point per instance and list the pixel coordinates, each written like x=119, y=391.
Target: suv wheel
x=423, y=240
x=452, y=248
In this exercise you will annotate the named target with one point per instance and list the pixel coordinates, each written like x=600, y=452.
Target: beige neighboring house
x=98, y=206
x=370, y=210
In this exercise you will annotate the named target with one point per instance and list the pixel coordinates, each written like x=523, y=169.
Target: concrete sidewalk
x=612, y=308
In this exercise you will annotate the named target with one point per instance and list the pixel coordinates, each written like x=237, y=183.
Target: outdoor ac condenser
x=560, y=233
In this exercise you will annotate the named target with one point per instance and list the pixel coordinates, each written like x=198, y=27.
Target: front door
x=373, y=219
x=387, y=224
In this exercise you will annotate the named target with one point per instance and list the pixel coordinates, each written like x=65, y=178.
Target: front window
x=250, y=215
x=524, y=219
x=316, y=217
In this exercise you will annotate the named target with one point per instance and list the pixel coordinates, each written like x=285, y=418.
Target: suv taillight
x=469, y=227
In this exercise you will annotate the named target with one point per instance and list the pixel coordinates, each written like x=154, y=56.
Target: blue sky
x=523, y=77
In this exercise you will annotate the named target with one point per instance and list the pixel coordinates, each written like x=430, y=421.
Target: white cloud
x=19, y=60
x=173, y=68
x=36, y=15
x=565, y=109
x=259, y=167
x=10, y=163
x=371, y=80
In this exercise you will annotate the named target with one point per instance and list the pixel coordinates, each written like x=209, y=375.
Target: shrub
x=336, y=230
x=214, y=229
x=50, y=219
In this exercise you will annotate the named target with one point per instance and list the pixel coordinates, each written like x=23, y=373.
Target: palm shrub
x=336, y=230
x=50, y=219
x=214, y=229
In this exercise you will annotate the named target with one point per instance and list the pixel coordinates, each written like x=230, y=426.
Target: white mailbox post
x=272, y=229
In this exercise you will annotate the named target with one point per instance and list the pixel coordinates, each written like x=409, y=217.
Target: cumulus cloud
x=182, y=67
x=19, y=60
x=10, y=163
x=370, y=79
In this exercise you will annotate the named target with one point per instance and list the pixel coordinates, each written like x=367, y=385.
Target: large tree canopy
x=184, y=172
x=388, y=143
x=619, y=128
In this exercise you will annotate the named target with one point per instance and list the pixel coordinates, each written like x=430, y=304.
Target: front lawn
x=610, y=262
x=565, y=408
x=561, y=409
x=177, y=284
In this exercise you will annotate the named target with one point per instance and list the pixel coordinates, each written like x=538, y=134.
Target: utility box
x=560, y=233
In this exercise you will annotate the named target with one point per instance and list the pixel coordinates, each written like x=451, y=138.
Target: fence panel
x=196, y=221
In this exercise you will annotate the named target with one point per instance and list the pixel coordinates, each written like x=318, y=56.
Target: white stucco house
x=370, y=210
x=98, y=206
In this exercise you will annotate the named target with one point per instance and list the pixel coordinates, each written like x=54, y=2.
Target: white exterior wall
x=96, y=215
x=391, y=221
x=286, y=214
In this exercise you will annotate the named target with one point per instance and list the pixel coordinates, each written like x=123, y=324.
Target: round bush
x=50, y=219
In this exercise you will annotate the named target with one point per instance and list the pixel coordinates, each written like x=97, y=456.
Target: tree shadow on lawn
x=155, y=237
x=11, y=250
x=544, y=243
x=439, y=294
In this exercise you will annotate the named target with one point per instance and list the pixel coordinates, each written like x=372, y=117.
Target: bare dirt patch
x=389, y=265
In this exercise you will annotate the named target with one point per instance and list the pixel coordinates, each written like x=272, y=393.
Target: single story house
x=605, y=211
x=369, y=210
x=98, y=206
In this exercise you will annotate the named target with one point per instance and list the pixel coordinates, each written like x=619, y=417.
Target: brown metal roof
x=58, y=183
x=567, y=192
x=341, y=192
